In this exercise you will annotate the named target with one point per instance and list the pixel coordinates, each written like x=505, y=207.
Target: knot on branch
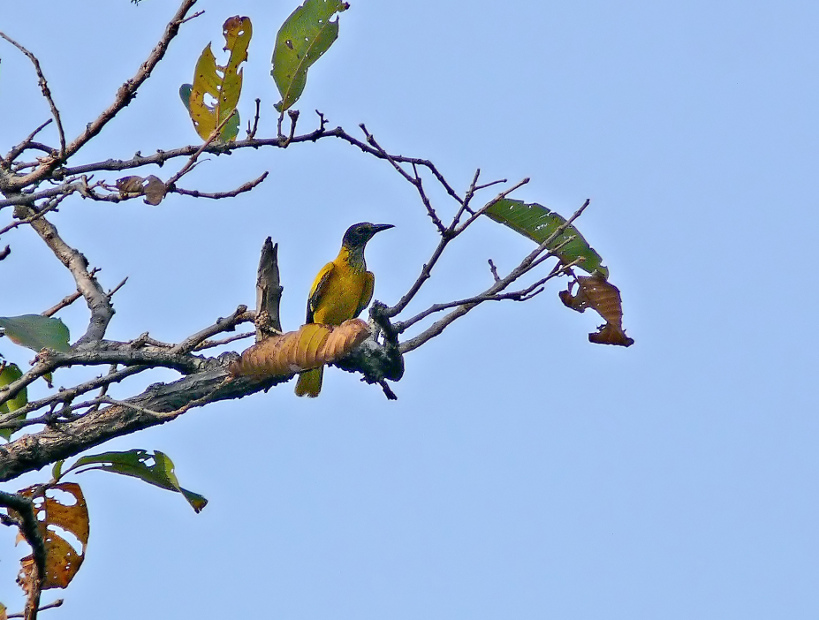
x=376, y=360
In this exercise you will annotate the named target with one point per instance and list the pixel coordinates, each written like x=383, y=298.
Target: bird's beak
x=379, y=227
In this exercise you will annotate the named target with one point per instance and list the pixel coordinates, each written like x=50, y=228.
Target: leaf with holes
x=539, y=223
x=63, y=559
x=310, y=346
x=35, y=331
x=156, y=469
x=9, y=373
x=222, y=85
x=301, y=41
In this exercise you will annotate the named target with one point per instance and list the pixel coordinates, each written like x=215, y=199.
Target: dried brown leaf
x=311, y=337
x=154, y=190
x=151, y=187
x=603, y=297
x=63, y=560
x=130, y=186
x=311, y=346
x=345, y=338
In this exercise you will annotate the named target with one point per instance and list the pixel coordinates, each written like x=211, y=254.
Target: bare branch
x=489, y=204
x=25, y=144
x=51, y=205
x=192, y=160
x=268, y=291
x=123, y=97
x=414, y=179
x=494, y=270
x=246, y=187
x=26, y=519
x=45, y=90
x=29, y=198
x=98, y=302
x=57, y=603
x=209, y=344
x=251, y=130
x=241, y=315
x=526, y=265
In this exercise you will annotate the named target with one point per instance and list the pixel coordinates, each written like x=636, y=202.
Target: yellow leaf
x=221, y=84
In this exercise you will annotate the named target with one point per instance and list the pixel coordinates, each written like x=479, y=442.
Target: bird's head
x=358, y=235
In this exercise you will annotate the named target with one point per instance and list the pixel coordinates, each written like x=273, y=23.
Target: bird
x=341, y=290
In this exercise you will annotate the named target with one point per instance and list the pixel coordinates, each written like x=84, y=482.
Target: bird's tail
x=309, y=383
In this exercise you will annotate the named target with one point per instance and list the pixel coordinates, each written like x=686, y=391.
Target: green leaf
x=221, y=84
x=135, y=463
x=57, y=470
x=185, y=95
x=301, y=41
x=9, y=373
x=36, y=331
x=538, y=223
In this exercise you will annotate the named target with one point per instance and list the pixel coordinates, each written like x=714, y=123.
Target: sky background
x=523, y=472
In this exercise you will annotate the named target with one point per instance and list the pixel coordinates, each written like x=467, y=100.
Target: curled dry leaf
x=151, y=187
x=311, y=346
x=62, y=559
x=597, y=293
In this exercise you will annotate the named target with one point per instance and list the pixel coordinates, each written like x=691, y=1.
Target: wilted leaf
x=3, y=615
x=36, y=331
x=135, y=463
x=539, y=223
x=151, y=187
x=62, y=559
x=600, y=295
x=301, y=41
x=311, y=346
x=9, y=373
x=222, y=85
x=154, y=190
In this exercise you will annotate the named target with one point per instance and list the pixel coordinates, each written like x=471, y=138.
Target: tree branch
x=528, y=263
x=123, y=97
x=98, y=302
x=45, y=90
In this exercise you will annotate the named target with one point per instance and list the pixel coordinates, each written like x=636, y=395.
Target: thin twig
x=30, y=529
x=51, y=205
x=45, y=90
x=192, y=160
x=241, y=315
x=489, y=204
x=57, y=603
x=208, y=344
x=494, y=270
x=30, y=198
x=251, y=131
x=524, y=267
x=124, y=95
x=17, y=150
x=98, y=302
x=414, y=179
x=246, y=187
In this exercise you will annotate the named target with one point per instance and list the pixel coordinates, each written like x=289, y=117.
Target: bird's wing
x=366, y=292
x=319, y=286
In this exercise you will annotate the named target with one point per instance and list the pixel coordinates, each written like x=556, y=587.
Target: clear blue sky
x=523, y=472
